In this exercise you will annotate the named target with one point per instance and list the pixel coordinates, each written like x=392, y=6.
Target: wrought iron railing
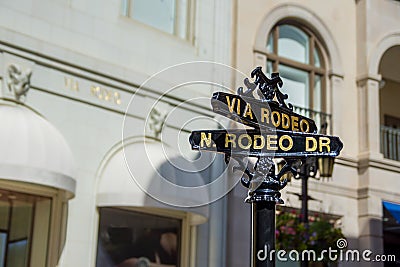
x=322, y=119
x=390, y=142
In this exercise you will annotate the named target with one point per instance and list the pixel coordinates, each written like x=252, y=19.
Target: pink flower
x=291, y=231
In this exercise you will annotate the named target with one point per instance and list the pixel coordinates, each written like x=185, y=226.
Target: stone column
x=369, y=120
x=336, y=90
x=370, y=225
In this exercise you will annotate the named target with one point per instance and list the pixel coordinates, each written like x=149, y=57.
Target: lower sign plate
x=254, y=143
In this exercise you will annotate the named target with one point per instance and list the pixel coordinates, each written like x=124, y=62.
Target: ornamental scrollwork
x=269, y=89
x=18, y=81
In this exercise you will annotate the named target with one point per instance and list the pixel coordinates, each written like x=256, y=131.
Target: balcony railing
x=322, y=120
x=390, y=142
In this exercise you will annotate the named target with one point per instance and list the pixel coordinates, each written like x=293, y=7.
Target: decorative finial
x=18, y=81
x=269, y=88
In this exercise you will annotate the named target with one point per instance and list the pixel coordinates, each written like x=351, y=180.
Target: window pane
x=27, y=229
x=157, y=13
x=269, y=68
x=317, y=93
x=293, y=44
x=317, y=106
x=296, y=85
x=21, y=220
x=4, y=210
x=317, y=61
x=127, y=236
x=17, y=253
x=3, y=244
x=270, y=43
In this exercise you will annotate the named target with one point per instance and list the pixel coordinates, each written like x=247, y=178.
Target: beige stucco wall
x=377, y=23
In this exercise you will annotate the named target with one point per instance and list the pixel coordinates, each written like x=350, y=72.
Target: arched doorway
x=132, y=222
x=389, y=111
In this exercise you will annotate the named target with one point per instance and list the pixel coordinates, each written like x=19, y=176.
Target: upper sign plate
x=257, y=113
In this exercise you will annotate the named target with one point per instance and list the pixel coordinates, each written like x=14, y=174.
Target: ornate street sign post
x=277, y=132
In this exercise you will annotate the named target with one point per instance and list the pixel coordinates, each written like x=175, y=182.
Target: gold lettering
x=324, y=142
x=67, y=81
x=100, y=95
x=107, y=94
x=238, y=107
x=295, y=123
x=285, y=137
x=314, y=144
x=271, y=142
x=230, y=105
x=95, y=91
x=262, y=142
x=285, y=121
x=247, y=111
x=276, y=122
x=117, y=98
x=302, y=123
x=71, y=84
x=230, y=138
x=249, y=142
x=75, y=86
x=205, y=139
x=265, y=115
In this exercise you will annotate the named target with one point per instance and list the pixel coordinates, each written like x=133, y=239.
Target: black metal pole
x=304, y=199
x=263, y=228
x=263, y=201
x=304, y=209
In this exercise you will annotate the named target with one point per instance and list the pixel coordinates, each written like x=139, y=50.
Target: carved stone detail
x=156, y=121
x=18, y=81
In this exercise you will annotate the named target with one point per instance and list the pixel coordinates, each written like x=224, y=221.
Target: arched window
x=295, y=52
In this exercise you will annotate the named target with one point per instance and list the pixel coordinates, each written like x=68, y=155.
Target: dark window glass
x=170, y=16
x=24, y=229
x=130, y=238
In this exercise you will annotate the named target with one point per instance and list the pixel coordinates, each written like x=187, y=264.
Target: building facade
x=337, y=61
x=98, y=99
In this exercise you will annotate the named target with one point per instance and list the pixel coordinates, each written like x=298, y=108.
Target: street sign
x=277, y=132
x=258, y=113
x=256, y=143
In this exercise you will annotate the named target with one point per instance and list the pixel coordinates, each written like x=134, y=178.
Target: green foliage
x=291, y=234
